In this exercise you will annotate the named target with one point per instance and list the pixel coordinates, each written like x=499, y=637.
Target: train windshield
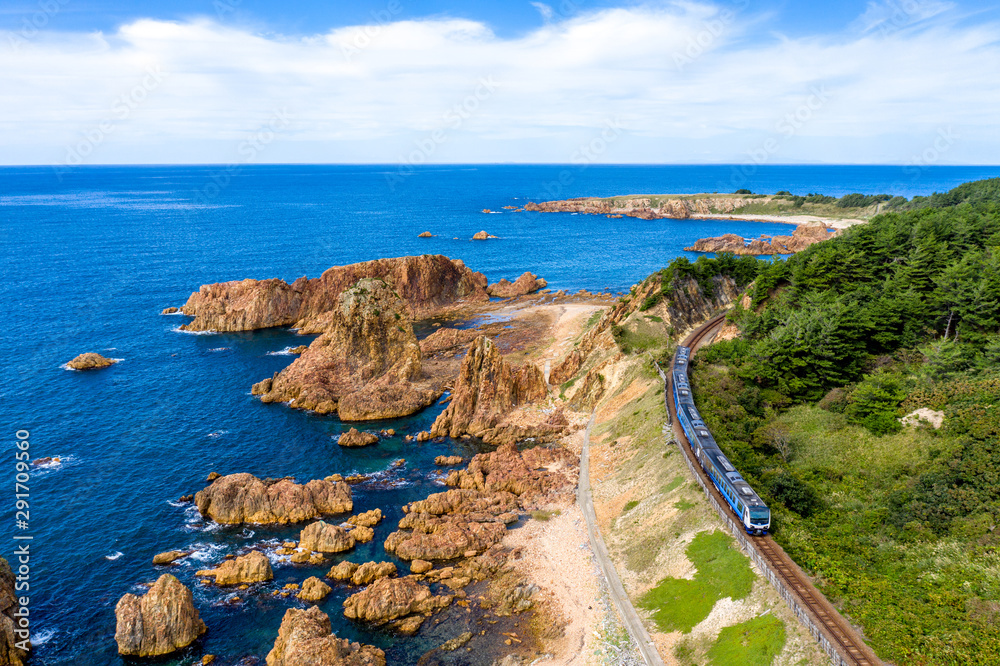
x=759, y=515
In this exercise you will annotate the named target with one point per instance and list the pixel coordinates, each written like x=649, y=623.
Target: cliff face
x=306, y=639
x=10, y=654
x=643, y=208
x=428, y=285
x=159, y=622
x=362, y=365
x=487, y=390
x=803, y=236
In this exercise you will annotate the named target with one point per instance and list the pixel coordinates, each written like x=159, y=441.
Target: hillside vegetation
x=897, y=523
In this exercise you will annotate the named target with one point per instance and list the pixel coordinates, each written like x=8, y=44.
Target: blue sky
x=417, y=81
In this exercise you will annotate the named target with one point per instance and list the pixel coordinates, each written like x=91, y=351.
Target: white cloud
x=367, y=93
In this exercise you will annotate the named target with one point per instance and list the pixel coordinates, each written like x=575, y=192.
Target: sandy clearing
x=835, y=223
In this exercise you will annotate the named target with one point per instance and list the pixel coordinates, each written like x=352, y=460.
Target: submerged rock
x=90, y=361
x=254, y=567
x=306, y=639
x=160, y=622
x=243, y=498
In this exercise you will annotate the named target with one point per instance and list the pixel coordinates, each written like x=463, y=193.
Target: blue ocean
x=91, y=256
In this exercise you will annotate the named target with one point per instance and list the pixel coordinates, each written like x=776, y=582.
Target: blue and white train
x=747, y=505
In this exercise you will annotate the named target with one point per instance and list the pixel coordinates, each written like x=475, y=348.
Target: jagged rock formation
x=169, y=556
x=447, y=461
x=363, y=364
x=447, y=338
x=389, y=599
x=527, y=283
x=159, y=622
x=353, y=438
x=487, y=390
x=643, y=207
x=803, y=236
x=243, y=498
x=322, y=537
x=428, y=284
x=13, y=647
x=487, y=496
x=254, y=567
x=90, y=361
x=372, y=571
x=367, y=519
x=343, y=571
x=306, y=639
x=313, y=589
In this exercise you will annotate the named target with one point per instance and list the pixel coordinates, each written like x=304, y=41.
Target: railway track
x=829, y=627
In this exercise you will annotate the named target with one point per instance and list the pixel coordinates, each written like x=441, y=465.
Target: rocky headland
x=159, y=622
x=90, y=361
x=803, y=236
x=645, y=208
x=428, y=285
x=364, y=366
x=243, y=498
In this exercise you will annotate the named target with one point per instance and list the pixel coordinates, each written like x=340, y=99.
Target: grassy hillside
x=898, y=523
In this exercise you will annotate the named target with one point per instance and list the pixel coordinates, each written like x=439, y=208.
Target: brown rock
x=298, y=350
x=343, y=571
x=420, y=566
x=447, y=461
x=212, y=476
x=313, y=589
x=159, y=622
x=389, y=599
x=363, y=364
x=425, y=234
x=567, y=368
x=10, y=652
x=362, y=534
x=353, y=438
x=423, y=436
x=323, y=537
x=170, y=310
x=372, y=571
x=429, y=285
x=480, y=235
x=488, y=389
x=169, y=556
x=366, y=519
x=90, y=361
x=305, y=639
x=803, y=236
x=243, y=498
x=446, y=338
x=254, y=567
x=528, y=283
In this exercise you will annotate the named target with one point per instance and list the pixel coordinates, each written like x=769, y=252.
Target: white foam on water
x=178, y=329
x=171, y=314
x=204, y=552
x=218, y=349
x=42, y=637
x=218, y=433
x=287, y=351
x=114, y=556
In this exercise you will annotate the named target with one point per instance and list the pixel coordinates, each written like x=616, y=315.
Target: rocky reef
x=353, y=438
x=13, y=647
x=306, y=639
x=243, y=498
x=323, y=537
x=363, y=365
x=254, y=567
x=159, y=622
x=428, y=285
x=390, y=599
x=803, y=236
x=487, y=391
x=447, y=338
x=90, y=361
x=527, y=283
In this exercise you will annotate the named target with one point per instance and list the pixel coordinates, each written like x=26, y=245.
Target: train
x=749, y=508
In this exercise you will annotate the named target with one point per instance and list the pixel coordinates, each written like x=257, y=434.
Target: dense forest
x=897, y=522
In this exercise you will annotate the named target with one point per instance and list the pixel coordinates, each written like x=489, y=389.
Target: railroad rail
x=831, y=630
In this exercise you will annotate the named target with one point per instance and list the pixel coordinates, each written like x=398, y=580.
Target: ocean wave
x=219, y=349
x=218, y=433
x=171, y=314
x=58, y=463
x=178, y=329
x=114, y=556
x=287, y=351
x=204, y=552
x=42, y=637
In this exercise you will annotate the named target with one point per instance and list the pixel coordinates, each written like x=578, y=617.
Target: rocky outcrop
x=90, y=361
x=243, y=498
x=170, y=310
x=254, y=567
x=322, y=537
x=306, y=639
x=366, y=519
x=159, y=622
x=425, y=234
x=343, y=571
x=363, y=364
x=169, y=556
x=448, y=461
x=528, y=283
x=803, y=236
x=527, y=474
x=14, y=643
x=482, y=235
x=648, y=208
x=313, y=589
x=447, y=338
x=428, y=285
x=487, y=390
x=389, y=599
x=372, y=571
x=353, y=438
